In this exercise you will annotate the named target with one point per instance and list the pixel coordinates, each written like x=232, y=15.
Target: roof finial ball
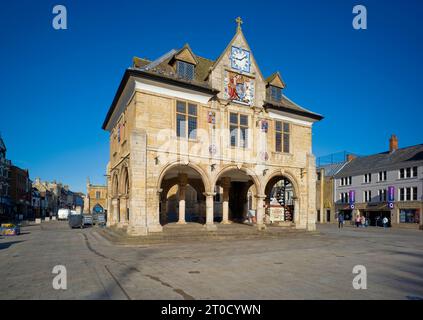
x=239, y=22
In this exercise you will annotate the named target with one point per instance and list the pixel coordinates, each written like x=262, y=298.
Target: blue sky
x=56, y=86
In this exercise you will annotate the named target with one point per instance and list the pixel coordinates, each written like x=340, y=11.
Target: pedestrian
x=340, y=220
x=357, y=221
x=363, y=221
x=385, y=222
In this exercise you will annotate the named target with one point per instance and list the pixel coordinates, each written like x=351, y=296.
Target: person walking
x=357, y=221
x=385, y=222
x=340, y=221
x=363, y=221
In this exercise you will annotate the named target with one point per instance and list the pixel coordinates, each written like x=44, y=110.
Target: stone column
x=297, y=211
x=123, y=210
x=137, y=163
x=210, y=226
x=226, y=184
x=182, y=186
x=260, y=211
x=115, y=213
x=322, y=192
x=154, y=218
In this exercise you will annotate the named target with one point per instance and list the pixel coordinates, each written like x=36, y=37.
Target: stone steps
x=197, y=232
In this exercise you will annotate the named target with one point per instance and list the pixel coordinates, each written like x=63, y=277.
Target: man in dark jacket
x=340, y=220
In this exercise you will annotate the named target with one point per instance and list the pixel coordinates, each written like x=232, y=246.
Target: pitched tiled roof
x=332, y=169
x=288, y=105
x=405, y=157
x=162, y=67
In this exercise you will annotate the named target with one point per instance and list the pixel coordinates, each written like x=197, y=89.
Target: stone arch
x=245, y=170
x=204, y=176
x=115, y=185
x=283, y=173
x=124, y=181
x=291, y=209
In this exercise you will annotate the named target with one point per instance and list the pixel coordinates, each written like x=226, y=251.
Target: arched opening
x=115, y=197
x=182, y=197
x=238, y=191
x=125, y=191
x=280, y=200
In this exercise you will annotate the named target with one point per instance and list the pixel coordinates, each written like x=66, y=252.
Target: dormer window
x=275, y=93
x=185, y=70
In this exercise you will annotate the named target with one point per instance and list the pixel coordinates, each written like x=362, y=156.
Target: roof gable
x=186, y=55
x=276, y=80
x=238, y=40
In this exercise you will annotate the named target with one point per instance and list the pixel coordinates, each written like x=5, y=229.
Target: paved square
x=297, y=266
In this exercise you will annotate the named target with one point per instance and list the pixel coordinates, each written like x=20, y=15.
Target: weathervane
x=239, y=22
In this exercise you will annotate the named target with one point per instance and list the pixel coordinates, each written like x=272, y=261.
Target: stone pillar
x=115, y=213
x=322, y=192
x=153, y=223
x=226, y=184
x=182, y=186
x=123, y=208
x=260, y=211
x=210, y=226
x=137, y=163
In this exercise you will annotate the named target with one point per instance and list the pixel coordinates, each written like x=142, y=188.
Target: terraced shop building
x=197, y=140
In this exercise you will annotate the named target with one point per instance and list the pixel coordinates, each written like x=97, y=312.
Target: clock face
x=240, y=59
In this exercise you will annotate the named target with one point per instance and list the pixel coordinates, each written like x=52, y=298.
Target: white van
x=63, y=214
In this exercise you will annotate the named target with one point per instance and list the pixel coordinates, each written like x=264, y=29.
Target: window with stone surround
x=186, y=120
x=238, y=127
x=282, y=134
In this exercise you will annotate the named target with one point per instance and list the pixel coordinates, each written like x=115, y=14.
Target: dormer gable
x=275, y=80
x=274, y=87
x=184, y=62
x=186, y=55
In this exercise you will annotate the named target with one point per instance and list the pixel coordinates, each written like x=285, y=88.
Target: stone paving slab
x=296, y=266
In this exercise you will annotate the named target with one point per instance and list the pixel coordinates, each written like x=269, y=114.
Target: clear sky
x=56, y=86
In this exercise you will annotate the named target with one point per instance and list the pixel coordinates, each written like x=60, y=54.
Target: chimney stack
x=350, y=157
x=393, y=143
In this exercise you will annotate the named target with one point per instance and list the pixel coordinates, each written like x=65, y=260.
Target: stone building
x=5, y=200
x=54, y=195
x=20, y=192
x=194, y=139
x=387, y=184
x=327, y=167
x=95, y=200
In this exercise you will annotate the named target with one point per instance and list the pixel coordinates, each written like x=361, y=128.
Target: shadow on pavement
x=6, y=245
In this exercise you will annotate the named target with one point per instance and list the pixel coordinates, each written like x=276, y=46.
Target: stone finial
x=239, y=23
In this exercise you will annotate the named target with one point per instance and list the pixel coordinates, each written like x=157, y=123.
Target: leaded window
x=282, y=132
x=238, y=126
x=186, y=120
x=275, y=93
x=185, y=70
